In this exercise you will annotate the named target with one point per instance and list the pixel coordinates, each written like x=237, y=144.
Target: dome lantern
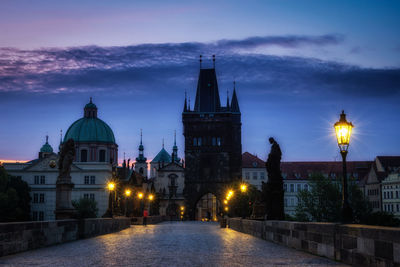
x=90, y=110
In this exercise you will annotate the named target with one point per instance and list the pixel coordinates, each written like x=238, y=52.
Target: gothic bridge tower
x=213, y=147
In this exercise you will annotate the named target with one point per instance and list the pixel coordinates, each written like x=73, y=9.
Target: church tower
x=141, y=160
x=213, y=146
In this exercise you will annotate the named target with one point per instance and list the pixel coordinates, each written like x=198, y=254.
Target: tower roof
x=207, y=95
x=235, y=102
x=162, y=156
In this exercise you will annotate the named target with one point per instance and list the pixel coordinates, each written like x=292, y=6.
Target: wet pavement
x=168, y=244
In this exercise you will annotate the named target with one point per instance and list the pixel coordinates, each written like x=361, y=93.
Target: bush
x=85, y=208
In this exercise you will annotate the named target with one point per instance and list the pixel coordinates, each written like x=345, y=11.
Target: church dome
x=90, y=128
x=46, y=148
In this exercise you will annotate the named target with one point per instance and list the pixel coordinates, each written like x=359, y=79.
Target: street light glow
x=111, y=186
x=343, y=132
x=243, y=188
x=127, y=192
x=151, y=197
x=140, y=195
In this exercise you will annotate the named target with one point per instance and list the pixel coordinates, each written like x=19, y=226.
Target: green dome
x=46, y=148
x=90, y=129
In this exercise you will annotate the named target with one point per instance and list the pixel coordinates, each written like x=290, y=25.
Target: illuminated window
x=219, y=141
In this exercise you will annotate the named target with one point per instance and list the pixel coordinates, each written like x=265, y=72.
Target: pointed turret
x=234, y=103
x=141, y=158
x=175, y=157
x=185, y=104
x=227, y=100
x=207, y=95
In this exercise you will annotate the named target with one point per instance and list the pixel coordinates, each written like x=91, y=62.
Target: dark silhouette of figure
x=273, y=189
x=67, y=155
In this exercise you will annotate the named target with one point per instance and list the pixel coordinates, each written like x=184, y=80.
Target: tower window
x=214, y=141
x=199, y=141
x=84, y=155
x=102, y=157
x=195, y=141
x=218, y=141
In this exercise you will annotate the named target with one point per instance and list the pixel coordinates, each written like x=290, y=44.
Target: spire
x=227, y=99
x=175, y=151
x=234, y=103
x=47, y=139
x=163, y=143
x=213, y=61
x=185, y=105
x=141, y=157
x=60, y=136
x=189, y=104
x=174, y=138
x=207, y=95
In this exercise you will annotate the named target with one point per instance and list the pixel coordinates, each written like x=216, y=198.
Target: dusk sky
x=296, y=64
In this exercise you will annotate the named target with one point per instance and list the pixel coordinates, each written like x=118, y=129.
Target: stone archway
x=207, y=208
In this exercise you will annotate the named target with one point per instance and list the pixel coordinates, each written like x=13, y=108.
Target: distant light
x=243, y=188
x=151, y=197
x=111, y=186
x=140, y=195
x=127, y=192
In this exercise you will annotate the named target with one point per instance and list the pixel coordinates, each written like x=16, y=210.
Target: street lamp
x=343, y=132
x=127, y=195
x=111, y=188
x=243, y=188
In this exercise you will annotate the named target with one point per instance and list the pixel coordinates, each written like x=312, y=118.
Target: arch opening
x=207, y=208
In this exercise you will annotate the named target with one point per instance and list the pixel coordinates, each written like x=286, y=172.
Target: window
x=83, y=155
x=285, y=188
x=199, y=141
x=298, y=187
x=306, y=187
x=42, y=179
x=255, y=176
x=36, y=181
x=291, y=187
x=262, y=175
x=384, y=195
x=41, y=198
x=91, y=196
x=219, y=141
x=86, y=179
x=391, y=194
x=291, y=202
x=102, y=156
x=86, y=196
x=34, y=216
x=397, y=194
x=35, y=198
x=214, y=141
x=195, y=141
x=286, y=202
x=41, y=215
x=141, y=170
x=92, y=179
x=247, y=176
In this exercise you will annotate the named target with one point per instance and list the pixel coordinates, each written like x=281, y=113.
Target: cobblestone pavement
x=168, y=244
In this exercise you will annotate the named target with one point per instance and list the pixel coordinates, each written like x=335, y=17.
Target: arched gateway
x=208, y=208
x=213, y=148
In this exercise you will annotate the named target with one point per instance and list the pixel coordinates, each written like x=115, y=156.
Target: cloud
x=156, y=67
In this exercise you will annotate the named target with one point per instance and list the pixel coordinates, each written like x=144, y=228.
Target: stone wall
x=150, y=220
x=359, y=245
x=22, y=236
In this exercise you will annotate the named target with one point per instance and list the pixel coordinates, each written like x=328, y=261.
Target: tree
x=323, y=202
x=14, y=198
x=85, y=208
x=241, y=204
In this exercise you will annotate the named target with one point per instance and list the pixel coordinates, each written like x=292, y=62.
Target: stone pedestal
x=64, y=209
x=273, y=194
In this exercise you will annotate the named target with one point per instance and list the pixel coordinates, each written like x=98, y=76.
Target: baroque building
x=213, y=147
x=96, y=155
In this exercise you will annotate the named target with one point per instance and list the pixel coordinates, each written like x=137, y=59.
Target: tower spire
x=234, y=103
x=213, y=56
x=189, y=104
x=141, y=157
x=141, y=134
x=200, y=60
x=185, y=105
x=163, y=143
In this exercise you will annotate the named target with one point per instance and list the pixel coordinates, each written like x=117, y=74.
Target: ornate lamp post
x=343, y=132
x=127, y=195
x=111, y=188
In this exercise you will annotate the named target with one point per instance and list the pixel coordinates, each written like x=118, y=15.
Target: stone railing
x=359, y=245
x=22, y=236
x=150, y=220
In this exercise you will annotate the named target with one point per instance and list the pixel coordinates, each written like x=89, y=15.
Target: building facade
x=254, y=171
x=213, y=147
x=96, y=154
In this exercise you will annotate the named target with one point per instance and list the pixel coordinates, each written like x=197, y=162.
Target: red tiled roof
x=251, y=161
x=302, y=170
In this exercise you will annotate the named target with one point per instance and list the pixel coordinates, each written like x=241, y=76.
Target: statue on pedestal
x=64, y=185
x=273, y=189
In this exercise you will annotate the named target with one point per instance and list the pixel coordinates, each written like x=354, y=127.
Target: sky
x=297, y=65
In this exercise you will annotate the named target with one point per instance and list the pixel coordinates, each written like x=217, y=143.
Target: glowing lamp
x=127, y=192
x=243, y=188
x=151, y=197
x=225, y=201
x=111, y=186
x=140, y=195
x=226, y=208
x=343, y=132
x=182, y=207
